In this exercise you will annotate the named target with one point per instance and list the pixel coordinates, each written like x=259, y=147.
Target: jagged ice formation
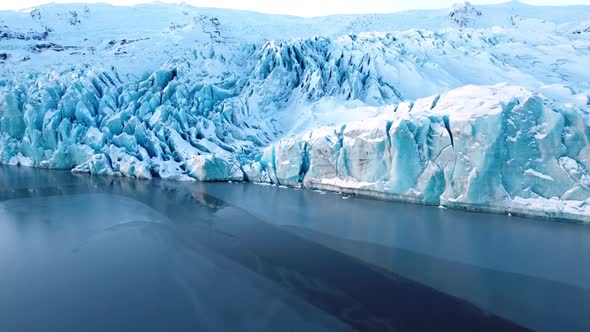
x=415, y=115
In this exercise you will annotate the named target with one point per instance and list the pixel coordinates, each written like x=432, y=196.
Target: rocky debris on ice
x=464, y=14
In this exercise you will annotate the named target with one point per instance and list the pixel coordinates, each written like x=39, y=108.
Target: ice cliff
x=472, y=116
x=491, y=148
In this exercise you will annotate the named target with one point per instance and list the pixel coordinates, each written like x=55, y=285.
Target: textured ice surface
x=419, y=112
x=494, y=148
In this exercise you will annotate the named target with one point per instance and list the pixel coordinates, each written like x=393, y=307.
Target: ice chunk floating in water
x=411, y=114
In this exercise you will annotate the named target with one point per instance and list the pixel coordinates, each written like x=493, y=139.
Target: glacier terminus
x=484, y=108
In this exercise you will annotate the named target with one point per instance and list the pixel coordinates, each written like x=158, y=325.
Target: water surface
x=94, y=253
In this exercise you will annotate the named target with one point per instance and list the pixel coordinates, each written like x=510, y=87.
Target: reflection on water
x=213, y=203
x=84, y=252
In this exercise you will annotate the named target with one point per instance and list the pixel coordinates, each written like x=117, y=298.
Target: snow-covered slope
x=401, y=106
x=139, y=38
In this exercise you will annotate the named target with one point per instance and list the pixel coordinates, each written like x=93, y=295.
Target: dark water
x=88, y=253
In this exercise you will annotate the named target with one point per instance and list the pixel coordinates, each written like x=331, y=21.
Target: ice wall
x=237, y=112
x=493, y=148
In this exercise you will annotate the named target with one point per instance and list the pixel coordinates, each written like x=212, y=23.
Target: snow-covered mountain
x=481, y=107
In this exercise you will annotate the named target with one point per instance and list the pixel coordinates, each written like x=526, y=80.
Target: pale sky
x=301, y=7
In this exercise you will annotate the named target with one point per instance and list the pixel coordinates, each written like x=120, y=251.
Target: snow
x=412, y=106
x=532, y=172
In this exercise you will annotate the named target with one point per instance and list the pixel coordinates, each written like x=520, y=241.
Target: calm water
x=92, y=253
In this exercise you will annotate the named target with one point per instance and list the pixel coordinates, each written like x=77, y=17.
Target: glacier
x=485, y=109
x=482, y=148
